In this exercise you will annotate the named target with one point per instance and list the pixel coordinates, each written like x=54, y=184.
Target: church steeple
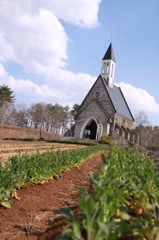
x=108, y=66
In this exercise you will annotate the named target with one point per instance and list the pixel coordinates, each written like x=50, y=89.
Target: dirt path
x=36, y=215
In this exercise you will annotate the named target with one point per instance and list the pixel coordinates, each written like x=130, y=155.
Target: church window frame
x=97, y=94
x=107, y=67
x=112, y=72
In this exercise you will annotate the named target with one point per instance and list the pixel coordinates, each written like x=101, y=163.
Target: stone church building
x=104, y=110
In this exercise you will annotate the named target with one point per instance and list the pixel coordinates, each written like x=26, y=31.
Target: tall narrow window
x=103, y=71
x=112, y=70
x=107, y=69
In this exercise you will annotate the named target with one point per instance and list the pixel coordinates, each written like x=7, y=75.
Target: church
x=104, y=110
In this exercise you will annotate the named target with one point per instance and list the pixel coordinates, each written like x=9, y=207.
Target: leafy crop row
x=124, y=204
x=38, y=168
x=22, y=139
x=77, y=142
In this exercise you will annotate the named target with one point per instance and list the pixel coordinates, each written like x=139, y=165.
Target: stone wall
x=124, y=136
x=122, y=141
x=123, y=121
x=9, y=131
x=101, y=110
x=104, y=99
x=92, y=111
x=98, y=109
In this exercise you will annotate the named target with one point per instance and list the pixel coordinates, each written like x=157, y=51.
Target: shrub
x=105, y=139
x=77, y=142
x=21, y=139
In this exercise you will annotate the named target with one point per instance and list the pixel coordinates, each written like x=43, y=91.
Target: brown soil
x=12, y=148
x=36, y=215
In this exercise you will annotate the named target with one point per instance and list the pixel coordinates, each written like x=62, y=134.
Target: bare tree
x=49, y=117
x=21, y=116
x=42, y=116
x=65, y=119
x=142, y=128
x=10, y=115
x=148, y=135
x=154, y=138
x=57, y=117
x=141, y=119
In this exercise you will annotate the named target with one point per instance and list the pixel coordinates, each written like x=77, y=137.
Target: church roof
x=109, y=55
x=116, y=97
x=118, y=100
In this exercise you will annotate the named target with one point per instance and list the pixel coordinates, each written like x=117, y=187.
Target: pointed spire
x=109, y=55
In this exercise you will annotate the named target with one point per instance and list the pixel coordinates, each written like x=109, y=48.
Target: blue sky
x=51, y=51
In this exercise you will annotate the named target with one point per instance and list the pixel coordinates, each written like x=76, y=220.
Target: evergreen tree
x=6, y=98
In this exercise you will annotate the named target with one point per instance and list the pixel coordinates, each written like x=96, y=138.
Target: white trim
x=108, y=128
x=99, y=131
x=90, y=119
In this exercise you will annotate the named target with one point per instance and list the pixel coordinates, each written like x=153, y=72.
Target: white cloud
x=79, y=12
x=62, y=92
x=32, y=40
x=139, y=99
x=32, y=35
x=7, y=52
x=30, y=91
x=76, y=85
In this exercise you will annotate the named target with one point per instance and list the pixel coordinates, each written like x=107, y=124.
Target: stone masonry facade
x=92, y=112
x=92, y=109
x=104, y=99
x=101, y=111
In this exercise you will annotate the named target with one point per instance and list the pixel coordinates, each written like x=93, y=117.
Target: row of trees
x=56, y=118
x=43, y=116
x=148, y=135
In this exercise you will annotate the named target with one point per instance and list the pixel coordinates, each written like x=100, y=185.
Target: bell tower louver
x=108, y=66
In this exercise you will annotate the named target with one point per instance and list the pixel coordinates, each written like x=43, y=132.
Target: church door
x=90, y=130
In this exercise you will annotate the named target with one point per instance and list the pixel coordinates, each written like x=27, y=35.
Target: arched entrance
x=90, y=130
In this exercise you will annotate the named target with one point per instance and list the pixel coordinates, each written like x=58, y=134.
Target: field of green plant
x=124, y=204
x=38, y=168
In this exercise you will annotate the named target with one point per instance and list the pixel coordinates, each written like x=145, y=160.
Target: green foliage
x=38, y=168
x=72, y=142
x=6, y=98
x=22, y=139
x=125, y=200
x=6, y=95
x=105, y=139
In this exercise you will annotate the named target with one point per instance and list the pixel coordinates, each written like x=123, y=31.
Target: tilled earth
x=35, y=215
x=11, y=148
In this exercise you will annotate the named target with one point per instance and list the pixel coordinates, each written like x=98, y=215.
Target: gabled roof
x=116, y=97
x=109, y=55
x=118, y=100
